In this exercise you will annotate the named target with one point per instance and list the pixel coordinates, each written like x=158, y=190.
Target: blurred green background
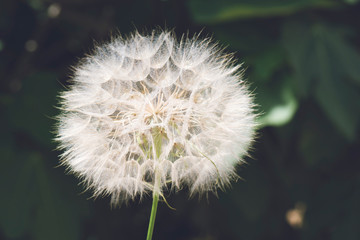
x=303, y=64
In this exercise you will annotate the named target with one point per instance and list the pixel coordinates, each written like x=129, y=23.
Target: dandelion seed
x=148, y=113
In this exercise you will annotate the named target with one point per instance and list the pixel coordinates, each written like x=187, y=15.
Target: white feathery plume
x=148, y=112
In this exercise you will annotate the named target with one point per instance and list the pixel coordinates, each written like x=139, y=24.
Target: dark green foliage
x=302, y=61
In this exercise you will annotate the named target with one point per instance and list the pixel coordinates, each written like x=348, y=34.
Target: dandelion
x=150, y=113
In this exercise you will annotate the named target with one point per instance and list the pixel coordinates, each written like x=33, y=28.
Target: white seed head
x=148, y=112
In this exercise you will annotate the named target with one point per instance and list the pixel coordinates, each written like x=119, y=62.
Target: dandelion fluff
x=149, y=112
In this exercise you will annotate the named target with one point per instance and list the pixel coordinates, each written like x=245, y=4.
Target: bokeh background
x=302, y=60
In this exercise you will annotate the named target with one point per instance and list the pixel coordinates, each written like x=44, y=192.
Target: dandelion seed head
x=148, y=112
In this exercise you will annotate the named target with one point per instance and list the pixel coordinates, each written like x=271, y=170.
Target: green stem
x=157, y=138
x=152, y=215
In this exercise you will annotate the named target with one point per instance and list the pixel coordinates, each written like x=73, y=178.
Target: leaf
x=351, y=1
x=318, y=54
x=267, y=63
x=342, y=104
x=339, y=100
x=246, y=38
x=347, y=57
x=214, y=11
x=277, y=103
x=299, y=44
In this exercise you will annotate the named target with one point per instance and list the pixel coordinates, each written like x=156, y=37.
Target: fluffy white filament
x=148, y=112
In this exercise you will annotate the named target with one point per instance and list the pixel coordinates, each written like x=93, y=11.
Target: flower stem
x=152, y=215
